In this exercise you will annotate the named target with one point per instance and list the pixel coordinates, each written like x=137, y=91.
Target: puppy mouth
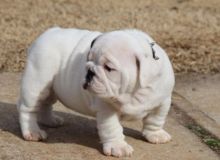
x=86, y=85
x=96, y=87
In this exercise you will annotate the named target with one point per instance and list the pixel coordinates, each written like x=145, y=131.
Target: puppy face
x=111, y=66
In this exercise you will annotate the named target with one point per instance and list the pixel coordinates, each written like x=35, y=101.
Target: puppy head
x=111, y=66
x=114, y=65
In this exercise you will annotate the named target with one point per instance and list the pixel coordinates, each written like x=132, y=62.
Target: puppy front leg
x=153, y=124
x=111, y=134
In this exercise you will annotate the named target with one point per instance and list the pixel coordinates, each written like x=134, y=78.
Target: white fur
x=56, y=69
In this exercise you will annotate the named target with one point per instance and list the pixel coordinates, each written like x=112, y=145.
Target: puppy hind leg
x=46, y=115
x=153, y=124
x=28, y=109
x=34, y=90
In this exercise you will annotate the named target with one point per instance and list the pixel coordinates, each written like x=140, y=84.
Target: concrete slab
x=78, y=138
x=203, y=95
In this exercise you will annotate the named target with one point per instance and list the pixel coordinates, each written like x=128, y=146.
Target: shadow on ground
x=76, y=129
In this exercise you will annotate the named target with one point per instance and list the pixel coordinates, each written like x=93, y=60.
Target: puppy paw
x=35, y=135
x=156, y=137
x=51, y=121
x=117, y=149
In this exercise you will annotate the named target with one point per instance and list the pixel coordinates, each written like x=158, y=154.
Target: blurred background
x=189, y=30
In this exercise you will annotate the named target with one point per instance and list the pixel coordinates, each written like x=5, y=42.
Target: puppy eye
x=108, y=68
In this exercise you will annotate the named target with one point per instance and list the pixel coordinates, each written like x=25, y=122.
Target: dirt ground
x=188, y=29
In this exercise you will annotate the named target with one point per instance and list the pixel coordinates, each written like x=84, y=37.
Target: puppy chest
x=69, y=92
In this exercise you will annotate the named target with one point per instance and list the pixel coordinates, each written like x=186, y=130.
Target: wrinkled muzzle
x=96, y=81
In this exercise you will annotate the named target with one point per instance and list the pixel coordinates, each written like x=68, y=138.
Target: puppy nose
x=90, y=74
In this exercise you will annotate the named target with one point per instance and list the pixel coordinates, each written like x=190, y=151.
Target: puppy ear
x=89, y=56
x=148, y=70
x=92, y=43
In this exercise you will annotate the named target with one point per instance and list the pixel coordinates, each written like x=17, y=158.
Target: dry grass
x=188, y=29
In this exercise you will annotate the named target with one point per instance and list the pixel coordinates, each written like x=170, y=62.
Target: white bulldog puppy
x=112, y=76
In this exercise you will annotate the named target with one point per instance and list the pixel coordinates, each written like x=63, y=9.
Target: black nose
x=89, y=77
